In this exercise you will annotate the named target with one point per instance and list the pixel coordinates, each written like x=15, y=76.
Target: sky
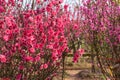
x=71, y=3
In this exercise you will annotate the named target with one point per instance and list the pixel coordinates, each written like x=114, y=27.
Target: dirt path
x=72, y=75
x=79, y=75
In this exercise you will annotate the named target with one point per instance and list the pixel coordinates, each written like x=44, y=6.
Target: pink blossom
x=75, y=27
x=8, y=31
x=31, y=19
x=3, y=58
x=41, y=67
x=45, y=66
x=8, y=21
x=54, y=58
x=32, y=38
x=65, y=7
x=81, y=51
x=32, y=50
x=37, y=58
x=21, y=67
x=6, y=37
x=76, y=57
x=38, y=1
x=29, y=58
x=2, y=9
x=18, y=77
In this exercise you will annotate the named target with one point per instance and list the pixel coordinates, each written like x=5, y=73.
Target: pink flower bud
x=32, y=50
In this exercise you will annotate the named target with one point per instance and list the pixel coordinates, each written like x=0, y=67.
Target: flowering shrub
x=101, y=30
x=32, y=38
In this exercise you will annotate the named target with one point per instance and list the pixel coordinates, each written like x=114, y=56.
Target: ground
x=80, y=71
